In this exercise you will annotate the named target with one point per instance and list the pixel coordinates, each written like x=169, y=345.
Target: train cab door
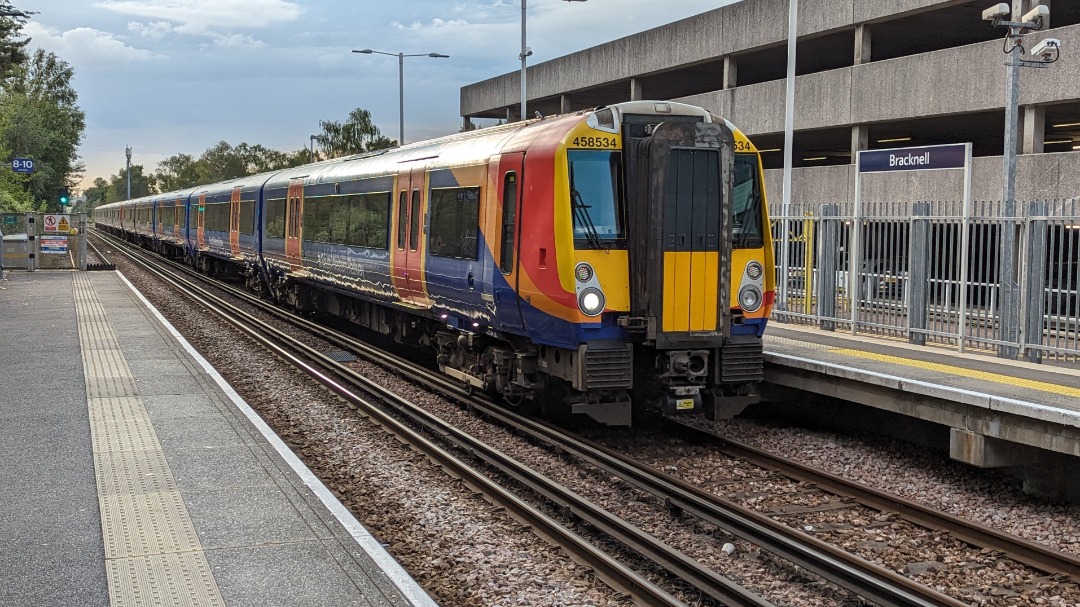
x=504, y=279
x=294, y=226
x=409, y=245
x=234, y=223
x=200, y=223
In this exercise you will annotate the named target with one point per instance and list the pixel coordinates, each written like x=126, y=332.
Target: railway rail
x=875, y=583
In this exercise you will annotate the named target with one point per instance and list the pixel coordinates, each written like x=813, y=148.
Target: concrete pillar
x=731, y=72
x=564, y=104
x=860, y=139
x=1032, y=134
x=467, y=124
x=637, y=90
x=862, y=44
x=511, y=114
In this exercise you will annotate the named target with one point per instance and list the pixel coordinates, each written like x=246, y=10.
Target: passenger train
x=605, y=262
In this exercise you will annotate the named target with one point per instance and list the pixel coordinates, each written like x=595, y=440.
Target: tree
x=39, y=119
x=12, y=44
x=356, y=135
x=177, y=172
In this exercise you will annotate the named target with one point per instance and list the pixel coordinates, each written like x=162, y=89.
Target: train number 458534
x=603, y=143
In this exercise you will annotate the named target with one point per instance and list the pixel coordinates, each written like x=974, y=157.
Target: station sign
x=22, y=165
x=923, y=158
x=54, y=245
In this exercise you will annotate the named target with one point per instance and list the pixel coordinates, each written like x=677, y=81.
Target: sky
x=178, y=76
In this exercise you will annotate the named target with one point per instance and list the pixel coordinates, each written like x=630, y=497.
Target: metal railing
x=929, y=272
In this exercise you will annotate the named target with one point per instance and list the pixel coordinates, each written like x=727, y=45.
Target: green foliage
x=12, y=44
x=39, y=119
x=356, y=135
x=222, y=162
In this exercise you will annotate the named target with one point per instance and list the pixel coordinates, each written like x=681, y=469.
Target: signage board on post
x=54, y=245
x=22, y=165
x=924, y=158
x=57, y=223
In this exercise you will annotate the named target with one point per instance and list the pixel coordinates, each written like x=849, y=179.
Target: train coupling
x=680, y=400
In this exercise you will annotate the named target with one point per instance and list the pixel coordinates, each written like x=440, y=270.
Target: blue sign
x=22, y=165
x=923, y=158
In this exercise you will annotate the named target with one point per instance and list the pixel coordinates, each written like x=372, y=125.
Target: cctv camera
x=1047, y=48
x=998, y=11
x=1038, y=13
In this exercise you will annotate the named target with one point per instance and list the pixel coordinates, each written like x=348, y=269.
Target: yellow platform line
x=969, y=373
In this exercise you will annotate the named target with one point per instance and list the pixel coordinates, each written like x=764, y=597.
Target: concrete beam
x=983, y=451
x=862, y=43
x=731, y=72
x=1032, y=136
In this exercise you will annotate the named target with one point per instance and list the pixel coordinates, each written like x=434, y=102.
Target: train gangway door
x=294, y=225
x=691, y=253
x=407, y=255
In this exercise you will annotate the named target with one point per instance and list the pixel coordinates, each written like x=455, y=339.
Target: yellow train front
x=646, y=266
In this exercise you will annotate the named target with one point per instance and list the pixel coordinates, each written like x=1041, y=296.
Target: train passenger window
x=247, y=216
x=216, y=216
x=402, y=219
x=414, y=221
x=166, y=216
x=596, y=199
x=746, y=203
x=455, y=220
x=509, y=209
x=317, y=220
x=275, y=218
x=368, y=220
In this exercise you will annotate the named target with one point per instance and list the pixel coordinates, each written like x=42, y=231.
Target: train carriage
x=594, y=262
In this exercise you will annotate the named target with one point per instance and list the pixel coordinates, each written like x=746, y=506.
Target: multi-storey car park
x=873, y=74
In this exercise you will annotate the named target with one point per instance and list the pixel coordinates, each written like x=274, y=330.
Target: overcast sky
x=172, y=76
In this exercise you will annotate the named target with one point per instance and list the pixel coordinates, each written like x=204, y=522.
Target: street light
x=401, y=83
x=313, y=138
x=526, y=52
x=1043, y=54
x=128, y=153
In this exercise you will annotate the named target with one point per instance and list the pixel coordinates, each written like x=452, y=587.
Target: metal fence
x=930, y=272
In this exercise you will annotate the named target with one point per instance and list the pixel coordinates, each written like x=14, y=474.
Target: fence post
x=918, y=273
x=1, y=254
x=1033, y=305
x=828, y=250
x=1008, y=279
x=31, y=242
x=82, y=241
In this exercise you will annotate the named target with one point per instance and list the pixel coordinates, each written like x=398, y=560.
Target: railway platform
x=988, y=412
x=131, y=474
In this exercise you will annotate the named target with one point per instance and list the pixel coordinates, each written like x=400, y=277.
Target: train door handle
x=472, y=281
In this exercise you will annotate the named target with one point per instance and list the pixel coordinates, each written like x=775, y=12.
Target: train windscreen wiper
x=584, y=219
x=752, y=213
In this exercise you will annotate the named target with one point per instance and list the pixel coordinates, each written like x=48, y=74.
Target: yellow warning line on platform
x=970, y=373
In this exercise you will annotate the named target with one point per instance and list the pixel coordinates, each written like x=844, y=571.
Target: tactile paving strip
x=153, y=555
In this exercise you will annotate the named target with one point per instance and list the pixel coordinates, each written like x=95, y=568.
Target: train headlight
x=754, y=270
x=591, y=301
x=584, y=272
x=750, y=298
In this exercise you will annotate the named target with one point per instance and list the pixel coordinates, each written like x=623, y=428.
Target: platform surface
x=130, y=474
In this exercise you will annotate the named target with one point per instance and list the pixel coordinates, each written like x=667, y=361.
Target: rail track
x=849, y=571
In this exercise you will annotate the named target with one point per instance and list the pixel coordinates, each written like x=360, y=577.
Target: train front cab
x=687, y=279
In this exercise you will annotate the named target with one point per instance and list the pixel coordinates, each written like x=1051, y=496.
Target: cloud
x=154, y=31
x=198, y=16
x=86, y=47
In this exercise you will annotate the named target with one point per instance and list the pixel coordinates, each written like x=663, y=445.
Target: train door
x=234, y=223
x=504, y=280
x=200, y=229
x=407, y=254
x=294, y=227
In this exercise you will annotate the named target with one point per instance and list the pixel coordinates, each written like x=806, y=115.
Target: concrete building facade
x=871, y=74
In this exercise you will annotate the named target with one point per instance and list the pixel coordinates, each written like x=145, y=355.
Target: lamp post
x=128, y=153
x=401, y=83
x=1043, y=54
x=526, y=52
x=313, y=138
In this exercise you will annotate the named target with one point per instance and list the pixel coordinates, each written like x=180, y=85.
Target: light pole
x=526, y=52
x=401, y=83
x=1046, y=53
x=313, y=138
x=128, y=152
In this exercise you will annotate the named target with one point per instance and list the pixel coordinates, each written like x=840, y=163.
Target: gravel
x=466, y=552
